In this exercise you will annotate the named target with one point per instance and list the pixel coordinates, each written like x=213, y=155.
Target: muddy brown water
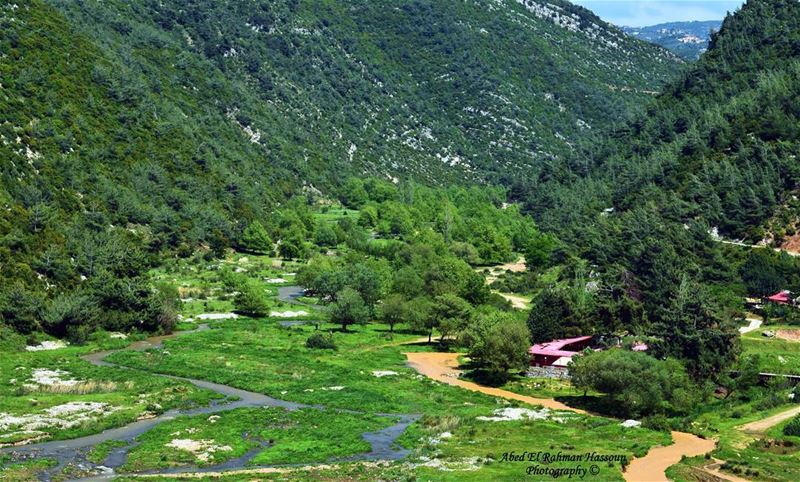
x=73, y=452
x=443, y=367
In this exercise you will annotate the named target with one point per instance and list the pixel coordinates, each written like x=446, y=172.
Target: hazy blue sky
x=650, y=12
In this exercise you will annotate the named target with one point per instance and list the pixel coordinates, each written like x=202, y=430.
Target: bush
x=657, y=422
x=636, y=383
x=792, y=428
x=771, y=401
x=250, y=300
x=318, y=341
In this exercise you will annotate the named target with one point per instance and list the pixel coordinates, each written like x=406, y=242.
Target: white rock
x=65, y=416
x=202, y=449
x=288, y=314
x=510, y=414
x=46, y=345
x=217, y=316
x=43, y=376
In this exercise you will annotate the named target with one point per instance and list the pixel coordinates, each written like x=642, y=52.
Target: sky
x=642, y=13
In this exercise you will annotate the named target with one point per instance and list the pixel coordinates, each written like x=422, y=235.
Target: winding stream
x=74, y=451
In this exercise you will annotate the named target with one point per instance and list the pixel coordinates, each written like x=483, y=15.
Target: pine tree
x=256, y=239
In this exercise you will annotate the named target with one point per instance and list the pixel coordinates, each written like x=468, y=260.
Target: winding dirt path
x=443, y=367
x=765, y=424
x=516, y=301
x=714, y=469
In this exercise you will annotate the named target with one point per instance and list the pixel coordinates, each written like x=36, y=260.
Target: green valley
x=403, y=240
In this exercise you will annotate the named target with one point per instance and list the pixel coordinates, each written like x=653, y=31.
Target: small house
x=558, y=353
x=782, y=298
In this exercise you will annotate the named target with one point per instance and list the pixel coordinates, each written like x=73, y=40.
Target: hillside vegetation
x=135, y=129
x=718, y=145
x=715, y=152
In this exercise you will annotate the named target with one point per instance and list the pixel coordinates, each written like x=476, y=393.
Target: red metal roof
x=556, y=347
x=782, y=297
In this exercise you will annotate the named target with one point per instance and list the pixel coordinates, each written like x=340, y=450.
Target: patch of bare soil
x=495, y=271
x=714, y=470
x=652, y=467
x=789, y=335
x=517, y=302
x=443, y=367
x=791, y=244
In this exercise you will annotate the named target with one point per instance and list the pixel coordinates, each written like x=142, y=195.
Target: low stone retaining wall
x=548, y=372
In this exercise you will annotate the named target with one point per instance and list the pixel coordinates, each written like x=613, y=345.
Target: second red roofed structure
x=783, y=298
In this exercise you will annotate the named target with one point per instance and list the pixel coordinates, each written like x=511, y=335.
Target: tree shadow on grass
x=488, y=378
x=594, y=404
x=403, y=331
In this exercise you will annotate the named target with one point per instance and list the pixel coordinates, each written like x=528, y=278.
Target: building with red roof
x=558, y=352
x=783, y=298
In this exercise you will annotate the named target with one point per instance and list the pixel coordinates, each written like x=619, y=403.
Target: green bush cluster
x=319, y=341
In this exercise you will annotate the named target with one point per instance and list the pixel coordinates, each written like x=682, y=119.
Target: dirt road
x=765, y=424
x=517, y=302
x=714, y=469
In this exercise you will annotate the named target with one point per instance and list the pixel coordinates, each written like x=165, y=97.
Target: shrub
x=250, y=300
x=658, y=422
x=771, y=401
x=793, y=427
x=318, y=341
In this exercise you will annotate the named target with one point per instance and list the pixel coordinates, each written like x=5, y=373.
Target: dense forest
x=137, y=130
x=158, y=130
x=714, y=156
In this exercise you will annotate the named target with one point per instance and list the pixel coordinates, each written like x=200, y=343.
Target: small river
x=382, y=442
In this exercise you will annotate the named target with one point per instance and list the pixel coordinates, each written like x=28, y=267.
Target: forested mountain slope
x=716, y=149
x=131, y=129
x=450, y=89
x=717, y=146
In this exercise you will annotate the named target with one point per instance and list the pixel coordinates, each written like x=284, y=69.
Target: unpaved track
x=443, y=367
x=760, y=426
x=714, y=469
x=516, y=301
